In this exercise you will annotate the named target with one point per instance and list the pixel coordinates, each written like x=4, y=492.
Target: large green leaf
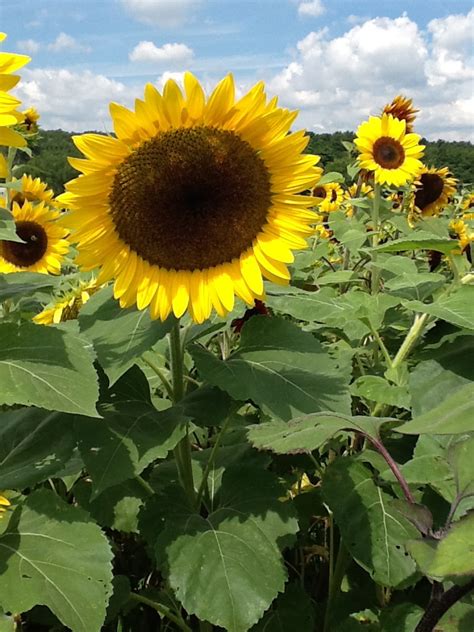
x=47, y=367
x=454, y=415
x=279, y=367
x=451, y=556
x=305, y=434
x=291, y=611
x=227, y=568
x=131, y=435
x=34, y=445
x=372, y=529
x=456, y=308
x=23, y=284
x=52, y=554
x=417, y=286
x=119, y=335
x=430, y=383
x=378, y=389
x=420, y=241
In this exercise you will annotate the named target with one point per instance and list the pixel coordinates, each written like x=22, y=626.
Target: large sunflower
x=194, y=201
x=328, y=197
x=388, y=151
x=9, y=115
x=44, y=240
x=434, y=188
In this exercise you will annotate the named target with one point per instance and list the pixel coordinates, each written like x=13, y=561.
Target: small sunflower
x=44, y=240
x=67, y=306
x=433, y=190
x=463, y=233
x=194, y=201
x=328, y=197
x=468, y=206
x=4, y=504
x=30, y=122
x=9, y=115
x=402, y=109
x=32, y=190
x=387, y=150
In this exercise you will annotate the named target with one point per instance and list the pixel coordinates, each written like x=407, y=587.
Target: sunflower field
x=236, y=393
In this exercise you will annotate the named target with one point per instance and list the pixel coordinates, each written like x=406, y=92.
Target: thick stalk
x=375, y=276
x=162, y=610
x=410, y=339
x=182, y=451
x=342, y=561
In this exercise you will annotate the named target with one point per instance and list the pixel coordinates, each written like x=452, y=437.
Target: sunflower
x=388, y=151
x=463, y=233
x=9, y=115
x=30, y=122
x=328, y=197
x=468, y=206
x=434, y=188
x=67, y=306
x=402, y=109
x=44, y=241
x=4, y=504
x=194, y=201
x=33, y=190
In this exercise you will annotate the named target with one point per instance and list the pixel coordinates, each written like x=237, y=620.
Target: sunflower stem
x=375, y=276
x=163, y=610
x=182, y=452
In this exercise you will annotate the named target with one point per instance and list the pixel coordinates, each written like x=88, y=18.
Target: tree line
x=51, y=148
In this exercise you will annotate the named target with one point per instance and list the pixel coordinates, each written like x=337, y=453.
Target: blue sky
x=336, y=61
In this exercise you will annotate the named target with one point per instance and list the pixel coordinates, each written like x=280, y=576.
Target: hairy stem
x=161, y=609
x=379, y=446
x=440, y=604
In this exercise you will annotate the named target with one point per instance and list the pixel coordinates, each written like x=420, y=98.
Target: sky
x=336, y=61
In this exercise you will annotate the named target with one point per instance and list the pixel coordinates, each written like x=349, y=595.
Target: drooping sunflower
x=462, y=231
x=387, y=150
x=433, y=190
x=44, y=240
x=4, y=504
x=33, y=190
x=402, y=109
x=67, y=306
x=195, y=200
x=328, y=197
x=9, y=115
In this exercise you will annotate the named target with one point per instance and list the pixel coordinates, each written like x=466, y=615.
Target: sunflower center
x=319, y=192
x=333, y=195
x=191, y=198
x=27, y=254
x=431, y=189
x=388, y=153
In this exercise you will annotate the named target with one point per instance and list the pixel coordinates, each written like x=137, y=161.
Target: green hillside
x=50, y=151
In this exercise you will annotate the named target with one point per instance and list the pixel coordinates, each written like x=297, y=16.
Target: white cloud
x=168, y=53
x=73, y=101
x=67, y=42
x=162, y=13
x=29, y=46
x=338, y=82
x=313, y=8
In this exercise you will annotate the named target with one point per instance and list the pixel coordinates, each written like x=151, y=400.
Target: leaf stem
x=375, y=275
x=379, y=446
x=342, y=561
x=410, y=339
x=145, y=485
x=210, y=462
x=382, y=346
x=161, y=609
x=167, y=386
x=182, y=451
x=440, y=604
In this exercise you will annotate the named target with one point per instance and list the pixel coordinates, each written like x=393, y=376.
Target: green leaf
x=372, y=529
x=420, y=241
x=305, y=434
x=7, y=624
x=47, y=367
x=8, y=226
x=291, y=611
x=404, y=617
x=416, y=286
x=328, y=178
x=452, y=556
x=280, y=368
x=52, y=554
x=23, y=284
x=227, y=568
x=118, y=507
x=377, y=389
x=131, y=435
x=455, y=415
x=460, y=458
x=430, y=383
x=456, y=308
x=34, y=445
x=119, y=335
x=207, y=405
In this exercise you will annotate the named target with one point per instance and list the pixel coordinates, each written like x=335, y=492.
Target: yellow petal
x=180, y=292
x=251, y=272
